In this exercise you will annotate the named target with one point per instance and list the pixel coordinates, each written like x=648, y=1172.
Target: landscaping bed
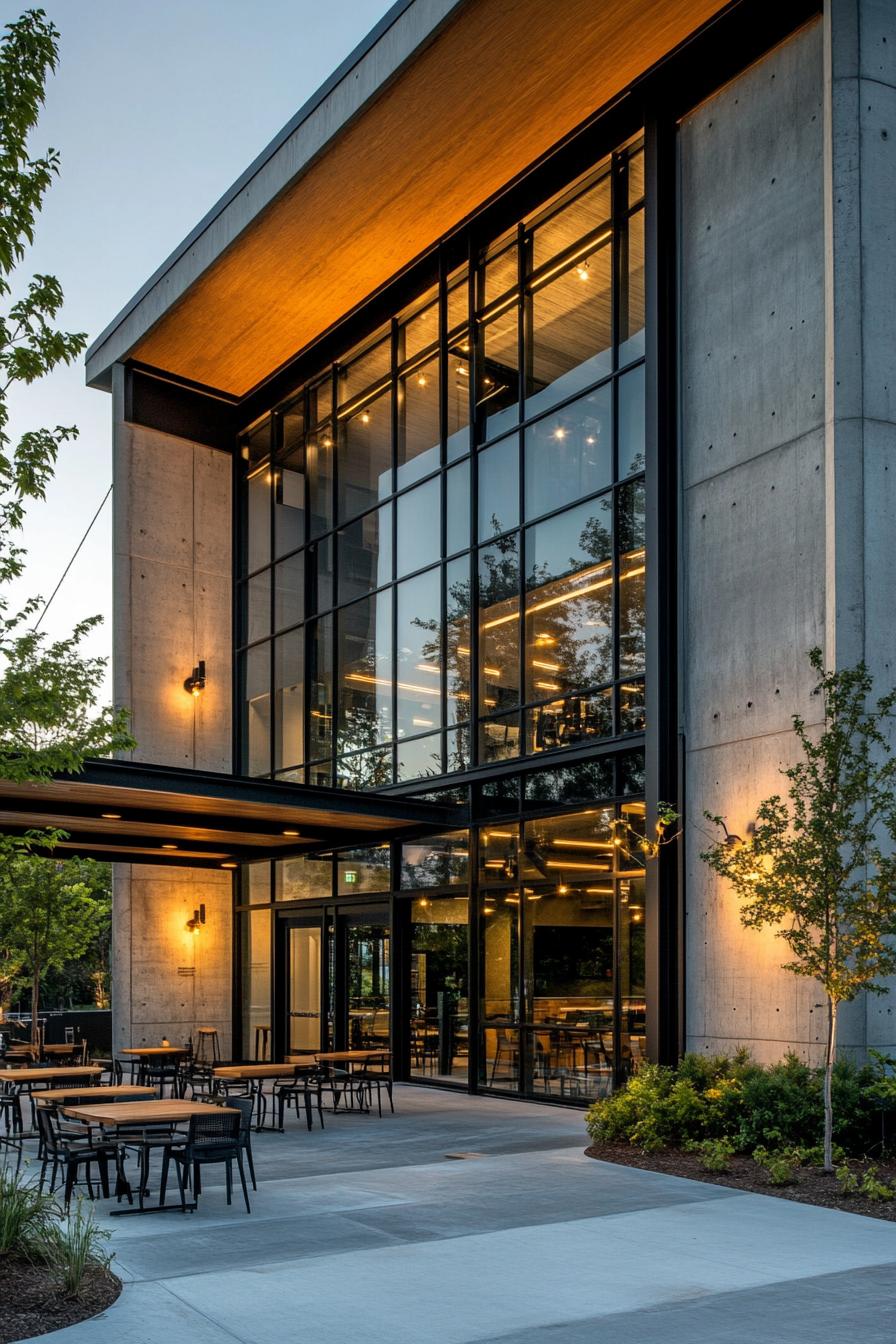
x=810, y=1184
x=34, y=1305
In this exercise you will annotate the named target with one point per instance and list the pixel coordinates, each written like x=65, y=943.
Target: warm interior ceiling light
x=421, y=380
x=583, y=844
x=422, y=723
x=111, y=816
x=502, y=835
x=545, y=641
x=229, y=865
x=365, y=417
x=548, y=686
x=582, y=270
x=290, y=832
x=575, y=863
x=545, y=665
x=428, y=667
x=169, y=846
x=562, y=890
x=368, y=680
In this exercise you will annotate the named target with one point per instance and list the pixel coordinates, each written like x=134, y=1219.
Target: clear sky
x=155, y=108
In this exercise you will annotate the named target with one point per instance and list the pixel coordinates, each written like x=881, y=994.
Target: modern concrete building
x=500, y=443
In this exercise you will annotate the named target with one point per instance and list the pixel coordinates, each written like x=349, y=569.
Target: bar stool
x=207, y=1049
x=262, y=1038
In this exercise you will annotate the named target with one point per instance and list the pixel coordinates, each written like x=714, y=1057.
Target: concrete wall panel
x=753, y=521
x=172, y=606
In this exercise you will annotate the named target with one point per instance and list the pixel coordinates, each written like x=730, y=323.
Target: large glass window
x=478, y=462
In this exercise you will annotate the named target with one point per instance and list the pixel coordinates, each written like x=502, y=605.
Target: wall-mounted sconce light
x=195, y=682
x=196, y=923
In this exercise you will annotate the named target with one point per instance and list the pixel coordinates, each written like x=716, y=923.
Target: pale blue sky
x=156, y=108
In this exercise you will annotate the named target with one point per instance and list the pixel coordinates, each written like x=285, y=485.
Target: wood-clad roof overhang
x=445, y=103
x=211, y=820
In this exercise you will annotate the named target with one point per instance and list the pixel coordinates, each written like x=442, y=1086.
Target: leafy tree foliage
x=50, y=912
x=819, y=866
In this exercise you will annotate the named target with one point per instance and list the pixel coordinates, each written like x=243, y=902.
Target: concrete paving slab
x=540, y=1244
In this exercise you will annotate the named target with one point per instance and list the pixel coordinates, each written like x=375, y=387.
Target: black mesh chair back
x=218, y=1130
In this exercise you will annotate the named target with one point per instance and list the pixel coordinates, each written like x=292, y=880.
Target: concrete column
x=754, y=563
x=171, y=607
x=860, y=397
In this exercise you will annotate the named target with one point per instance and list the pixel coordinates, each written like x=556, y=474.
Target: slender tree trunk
x=828, y=1078
x=35, y=1005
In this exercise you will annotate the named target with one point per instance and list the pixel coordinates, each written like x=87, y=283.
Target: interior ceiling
x=496, y=89
x=165, y=817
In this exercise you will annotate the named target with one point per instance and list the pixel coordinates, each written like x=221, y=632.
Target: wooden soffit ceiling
x=149, y=814
x=499, y=85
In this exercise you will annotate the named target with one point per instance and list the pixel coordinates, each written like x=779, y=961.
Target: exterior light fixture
x=195, y=682
x=196, y=923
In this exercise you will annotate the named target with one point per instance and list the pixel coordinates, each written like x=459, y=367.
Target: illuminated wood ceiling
x=499, y=85
x=142, y=813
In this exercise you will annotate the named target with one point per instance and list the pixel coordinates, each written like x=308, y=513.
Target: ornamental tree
x=49, y=717
x=818, y=866
x=50, y=912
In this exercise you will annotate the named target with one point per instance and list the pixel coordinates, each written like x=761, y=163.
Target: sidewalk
x=369, y=1232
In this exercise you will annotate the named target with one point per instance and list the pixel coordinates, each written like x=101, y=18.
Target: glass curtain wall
x=442, y=535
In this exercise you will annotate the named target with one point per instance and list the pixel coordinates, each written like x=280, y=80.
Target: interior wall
x=171, y=606
x=754, y=557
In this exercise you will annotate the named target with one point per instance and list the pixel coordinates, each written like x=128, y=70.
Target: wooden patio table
x=349, y=1056
x=54, y=1095
x=255, y=1074
x=65, y=1073
x=154, y=1051
x=166, y=1112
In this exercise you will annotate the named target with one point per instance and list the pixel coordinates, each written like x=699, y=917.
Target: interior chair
x=507, y=1047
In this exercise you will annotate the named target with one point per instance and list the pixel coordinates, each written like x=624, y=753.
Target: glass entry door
x=366, y=946
x=304, y=966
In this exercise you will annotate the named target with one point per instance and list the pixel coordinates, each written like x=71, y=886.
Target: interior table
x=164, y=1113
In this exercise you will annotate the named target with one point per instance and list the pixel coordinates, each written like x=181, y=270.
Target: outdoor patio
x=369, y=1230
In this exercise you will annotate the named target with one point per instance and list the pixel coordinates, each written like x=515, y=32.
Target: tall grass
x=75, y=1245
x=25, y=1213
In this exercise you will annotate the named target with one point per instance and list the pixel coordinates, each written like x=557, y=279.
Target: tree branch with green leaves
x=818, y=865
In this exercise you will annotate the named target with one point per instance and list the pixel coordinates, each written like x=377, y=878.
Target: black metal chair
x=211, y=1139
x=153, y=1073
x=308, y=1079
x=375, y=1072
x=70, y=1149
x=246, y=1108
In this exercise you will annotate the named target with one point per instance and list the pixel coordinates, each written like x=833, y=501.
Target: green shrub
x=715, y=1154
x=847, y=1180
x=778, y=1107
x=874, y=1189
x=73, y=1246
x=25, y=1214
x=780, y=1166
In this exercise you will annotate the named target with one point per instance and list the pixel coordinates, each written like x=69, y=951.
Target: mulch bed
x=811, y=1185
x=32, y=1305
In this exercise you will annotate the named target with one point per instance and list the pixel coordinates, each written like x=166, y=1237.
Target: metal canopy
x=136, y=813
